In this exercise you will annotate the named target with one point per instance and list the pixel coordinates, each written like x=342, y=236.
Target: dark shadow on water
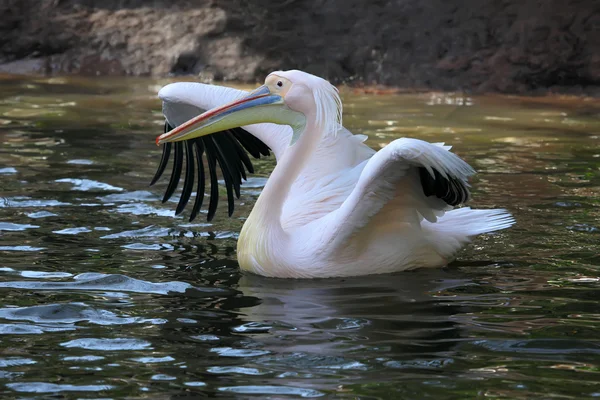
x=398, y=314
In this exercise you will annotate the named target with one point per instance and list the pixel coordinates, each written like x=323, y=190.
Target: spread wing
x=408, y=180
x=226, y=149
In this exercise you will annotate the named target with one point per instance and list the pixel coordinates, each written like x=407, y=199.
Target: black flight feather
x=214, y=189
x=227, y=149
x=213, y=147
x=188, y=183
x=198, y=150
x=450, y=189
x=164, y=158
x=231, y=158
x=251, y=143
x=243, y=156
x=176, y=173
x=225, y=158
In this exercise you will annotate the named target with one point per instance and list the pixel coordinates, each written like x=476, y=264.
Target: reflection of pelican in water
x=397, y=314
x=332, y=206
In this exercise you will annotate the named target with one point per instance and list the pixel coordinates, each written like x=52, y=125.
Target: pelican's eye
x=279, y=83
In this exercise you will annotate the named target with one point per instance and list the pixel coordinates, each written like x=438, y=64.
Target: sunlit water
x=106, y=294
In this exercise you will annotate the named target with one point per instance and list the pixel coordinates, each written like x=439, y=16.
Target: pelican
x=332, y=207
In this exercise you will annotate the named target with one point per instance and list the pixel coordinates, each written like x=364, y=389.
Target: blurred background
x=510, y=46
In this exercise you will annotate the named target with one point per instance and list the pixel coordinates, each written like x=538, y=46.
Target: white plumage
x=333, y=206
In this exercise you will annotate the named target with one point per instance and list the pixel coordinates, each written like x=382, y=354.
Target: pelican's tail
x=456, y=228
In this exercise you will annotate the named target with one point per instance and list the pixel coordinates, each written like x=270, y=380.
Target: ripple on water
x=20, y=248
x=584, y=228
x=253, y=327
x=15, y=362
x=8, y=226
x=255, y=182
x=152, y=360
x=236, y=370
x=143, y=246
x=163, y=377
x=41, y=214
x=541, y=346
x=420, y=364
x=27, y=329
x=352, y=323
x=231, y=352
x=43, y=387
x=148, y=231
x=287, y=361
x=69, y=313
x=206, y=338
x=82, y=161
x=89, y=358
x=73, y=231
x=196, y=225
x=106, y=344
x=226, y=235
x=113, y=282
x=23, y=202
x=87, y=185
x=135, y=196
x=144, y=209
x=187, y=321
x=352, y=365
x=8, y=171
x=195, y=384
x=44, y=275
x=280, y=390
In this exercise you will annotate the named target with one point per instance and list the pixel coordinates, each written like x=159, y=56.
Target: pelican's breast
x=254, y=249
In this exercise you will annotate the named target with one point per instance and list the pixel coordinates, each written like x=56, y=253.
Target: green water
x=105, y=294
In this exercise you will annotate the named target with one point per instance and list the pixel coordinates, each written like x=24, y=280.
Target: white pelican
x=332, y=206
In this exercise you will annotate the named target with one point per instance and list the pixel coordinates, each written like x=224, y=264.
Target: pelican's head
x=293, y=98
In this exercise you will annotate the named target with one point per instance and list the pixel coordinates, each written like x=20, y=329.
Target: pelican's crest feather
x=329, y=106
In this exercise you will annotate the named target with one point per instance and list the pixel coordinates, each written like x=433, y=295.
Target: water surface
x=106, y=294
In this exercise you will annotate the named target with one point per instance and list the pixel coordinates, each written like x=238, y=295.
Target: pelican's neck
x=270, y=203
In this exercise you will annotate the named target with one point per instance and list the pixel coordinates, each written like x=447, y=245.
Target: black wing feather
x=231, y=158
x=176, y=173
x=188, y=183
x=213, y=147
x=251, y=143
x=243, y=156
x=214, y=188
x=164, y=158
x=226, y=149
x=198, y=150
x=228, y=168
x=450, y=189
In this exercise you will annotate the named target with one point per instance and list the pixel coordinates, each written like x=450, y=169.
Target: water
x=105, y=294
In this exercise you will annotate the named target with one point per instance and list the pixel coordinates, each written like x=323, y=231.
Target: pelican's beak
x=259, y=106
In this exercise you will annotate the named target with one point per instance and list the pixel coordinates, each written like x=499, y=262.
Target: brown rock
x=473, y=45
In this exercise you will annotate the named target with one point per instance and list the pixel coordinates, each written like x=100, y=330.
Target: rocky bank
x=511, y=46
